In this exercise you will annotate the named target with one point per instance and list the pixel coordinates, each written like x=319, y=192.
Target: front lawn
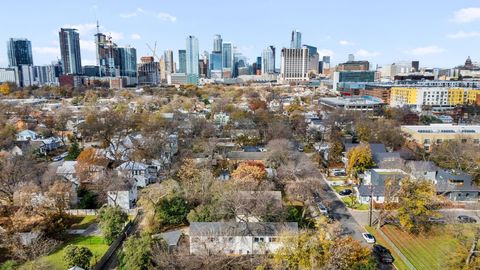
x=399, y=264
x=350, y=203
x=96, y=244
x=430, y=251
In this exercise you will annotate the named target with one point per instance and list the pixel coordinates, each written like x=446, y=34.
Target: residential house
x=142, y=173
x=68, y=171
x=374, y=184
x=456, y=186
x=238, y=238
x=27, y=135
x=123, y=197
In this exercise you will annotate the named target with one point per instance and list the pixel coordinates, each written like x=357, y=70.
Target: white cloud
x=346, y=43
x=87, y=45
x=462, y=34
x=83, y=29
x=116, y=35
x=47, y=50
x=135, y=13
x=365, y=53
x=434, y=49
x=89, y=62
x=135, y=36
x=325, y=52
x=166, y=17
x=466, y=15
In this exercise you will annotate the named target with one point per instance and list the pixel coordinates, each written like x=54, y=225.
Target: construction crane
x=154, y=54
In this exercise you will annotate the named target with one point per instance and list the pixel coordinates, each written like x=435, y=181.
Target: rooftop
x=443, y=129
x=350, y=101
x=241, y=228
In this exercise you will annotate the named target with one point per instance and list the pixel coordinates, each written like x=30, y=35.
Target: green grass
x=358, y=206
x=96, y=244
x=81, y=223
x=337, y=178
x=341, y=187
x=399, y=264
x=429, y=251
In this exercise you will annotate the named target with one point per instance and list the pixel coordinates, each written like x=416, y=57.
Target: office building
x=46, y=75
x=148, y=71
x=364, y=103
x=227, y=55
x=296, y=40
x=268, y=60
x=203, y=66
x=342, y=77
x=258, y=66
x=107, y=55
x=192, y=59
x=27, y=77
x=217, y=43
x=70, y=51
x=182, y=61
x=9, y=75
x=436, y=98
x=416, y=66
x=313, y=59
x=294, y=65
x=19, y=52
x=128, y=64
x=427, y=136
x=169, y=63
x=354, y=66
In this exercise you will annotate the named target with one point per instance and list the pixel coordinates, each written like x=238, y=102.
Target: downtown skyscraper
x=217, y=43
x=182, y=61
x=268, y=60
x=192, y=57
x=70, y=51
x=169, y=63
x=296, y=40
x=19, y=52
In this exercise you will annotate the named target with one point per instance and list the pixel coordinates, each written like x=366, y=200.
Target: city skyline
x=443, y=36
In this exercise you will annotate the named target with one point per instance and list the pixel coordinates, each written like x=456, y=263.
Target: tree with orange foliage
x=86, y=163
x=249, y=175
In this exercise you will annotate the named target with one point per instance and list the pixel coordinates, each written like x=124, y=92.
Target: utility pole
x=370, y=210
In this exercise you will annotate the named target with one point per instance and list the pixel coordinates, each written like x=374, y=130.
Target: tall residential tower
x=70, y=51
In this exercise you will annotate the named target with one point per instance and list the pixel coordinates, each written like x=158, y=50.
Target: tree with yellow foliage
x=359, y=159
x=5, y=89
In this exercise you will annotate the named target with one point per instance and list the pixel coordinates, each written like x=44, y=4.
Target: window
x=273, y=239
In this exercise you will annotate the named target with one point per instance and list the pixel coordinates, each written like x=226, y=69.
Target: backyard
x=96, y=244
x=427, y=252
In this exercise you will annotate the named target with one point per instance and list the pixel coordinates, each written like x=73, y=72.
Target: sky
x=437, y=33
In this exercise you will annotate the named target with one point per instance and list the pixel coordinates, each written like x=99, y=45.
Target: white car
x=368, y=238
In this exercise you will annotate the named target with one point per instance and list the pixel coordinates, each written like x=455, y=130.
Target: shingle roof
x=241, y=228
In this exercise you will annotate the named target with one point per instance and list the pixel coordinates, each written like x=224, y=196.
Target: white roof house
x=27, y=135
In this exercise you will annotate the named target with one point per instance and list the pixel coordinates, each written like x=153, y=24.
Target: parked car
x=466, y=219
x=345, y=231
x=368, y=238
x=322, y=208
x=60, y=157
x=382, y=253
x=345, y=192
x=300, y=149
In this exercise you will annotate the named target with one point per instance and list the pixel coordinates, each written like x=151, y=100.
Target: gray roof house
x=456, y=186
x=239, y=238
